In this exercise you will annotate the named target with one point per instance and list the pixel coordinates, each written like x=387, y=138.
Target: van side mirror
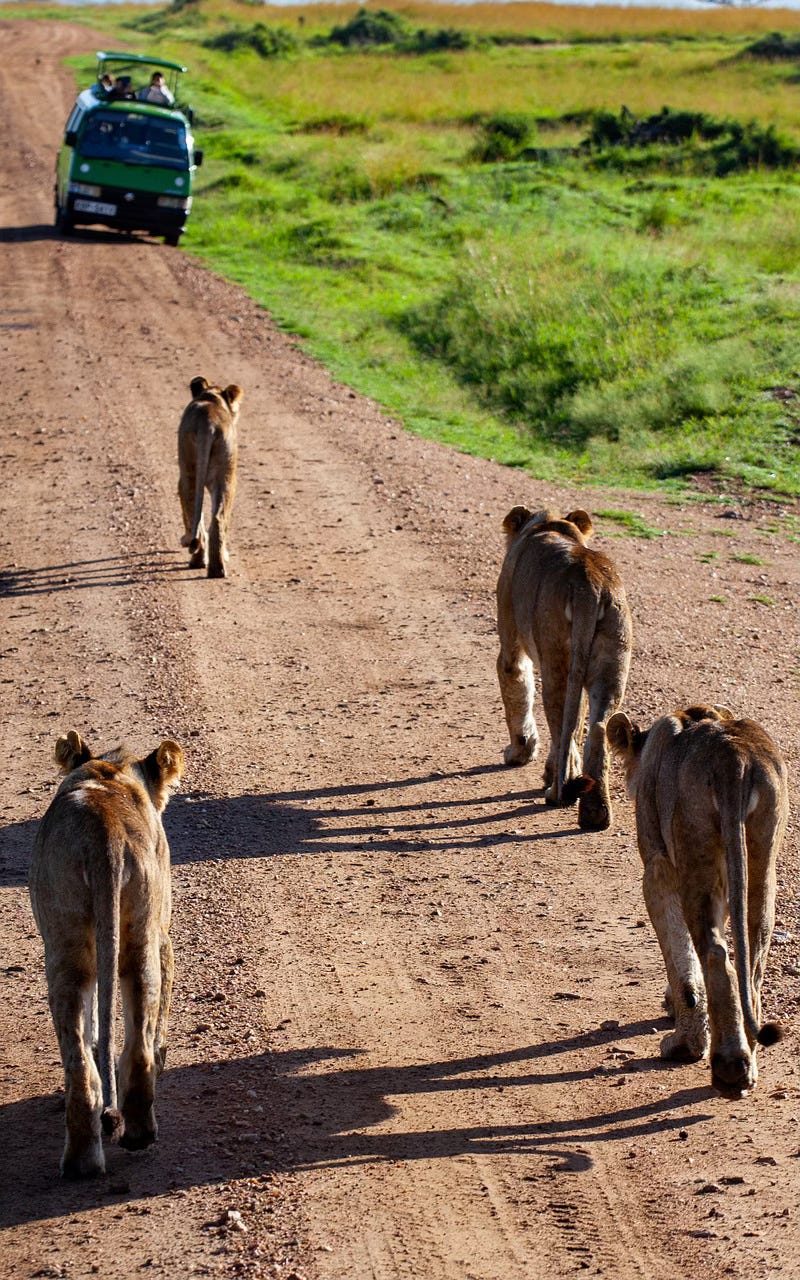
x=198, y=157
x=70, y=138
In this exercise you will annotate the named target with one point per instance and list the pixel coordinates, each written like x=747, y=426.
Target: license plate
x=95, y=206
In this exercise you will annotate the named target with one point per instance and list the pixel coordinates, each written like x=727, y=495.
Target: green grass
x=632, y=523
x=478, y=236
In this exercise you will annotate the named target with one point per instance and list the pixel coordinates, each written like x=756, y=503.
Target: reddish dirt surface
x=417, y=1013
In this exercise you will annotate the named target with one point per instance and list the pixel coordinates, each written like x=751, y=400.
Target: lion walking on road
x=712, y=806
x=562, y=603
x=208, y=448
x=101, y=895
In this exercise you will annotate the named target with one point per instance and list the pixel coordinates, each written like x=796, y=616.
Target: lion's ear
x=233, y=395
x=622, y=734
x=71, y=751
x=163, y=769
x=516, y=519
x=169, y=758
x=197, y=386
x=582, y=520
x=723, y=712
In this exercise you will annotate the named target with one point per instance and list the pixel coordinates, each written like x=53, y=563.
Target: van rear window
x=134, y=139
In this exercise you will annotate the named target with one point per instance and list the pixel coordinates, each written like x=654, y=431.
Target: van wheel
x=173, y=239
x=64, y=223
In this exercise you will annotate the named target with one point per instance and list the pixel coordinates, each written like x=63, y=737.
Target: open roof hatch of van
x=104, y=59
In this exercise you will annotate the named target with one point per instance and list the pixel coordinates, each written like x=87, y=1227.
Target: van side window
x=74, y=118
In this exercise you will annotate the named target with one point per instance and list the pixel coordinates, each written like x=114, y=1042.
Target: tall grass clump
x=605, y=344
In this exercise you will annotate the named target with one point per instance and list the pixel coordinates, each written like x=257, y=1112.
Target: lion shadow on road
x=316, y=1108
x=81, y=575
x=16, y=846
x=302, y=822
x=356, y=818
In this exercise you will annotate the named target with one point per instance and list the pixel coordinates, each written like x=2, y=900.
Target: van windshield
x=134, y=139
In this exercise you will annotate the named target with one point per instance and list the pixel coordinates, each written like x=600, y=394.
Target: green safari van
x=128, y=158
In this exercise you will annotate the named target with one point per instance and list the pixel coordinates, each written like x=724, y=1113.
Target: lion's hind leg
x=517, y=688
x=606, y=691
x=690, y=1040
x=140, y=984
x=554, y=692
x=186, y=493
x=221, y=509
x=70, y=997
x=764, y=836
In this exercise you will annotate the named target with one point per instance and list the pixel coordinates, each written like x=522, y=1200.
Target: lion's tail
x=733, y=811
x=106, y=903
x=584, y=624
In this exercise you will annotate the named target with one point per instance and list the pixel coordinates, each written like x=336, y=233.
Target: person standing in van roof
x=157, y=92
x=122, y=88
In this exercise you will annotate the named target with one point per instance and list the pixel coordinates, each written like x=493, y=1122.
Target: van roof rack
x=134, y=59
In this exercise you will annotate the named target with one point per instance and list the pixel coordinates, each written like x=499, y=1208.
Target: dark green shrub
x=378, y=28
x=503, y=137
x=267, y=42
x=753, y=147
x=439, y=40
x=370, y=27
x=774, y=47
x=735, y=147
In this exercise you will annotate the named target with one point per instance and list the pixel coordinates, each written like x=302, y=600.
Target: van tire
x=64, y=223
x=173, y=239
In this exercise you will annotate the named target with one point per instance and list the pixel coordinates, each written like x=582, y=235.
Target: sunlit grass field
x=453, y=225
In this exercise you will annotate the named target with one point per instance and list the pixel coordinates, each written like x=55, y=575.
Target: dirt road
x=417, y=1013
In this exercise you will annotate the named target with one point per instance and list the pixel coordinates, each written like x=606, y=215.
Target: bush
x=370, y=27
x=439, y=40
x=735, y=147
x=503, y=137
x=267, y=42
x=774, y=48
x=378, y=28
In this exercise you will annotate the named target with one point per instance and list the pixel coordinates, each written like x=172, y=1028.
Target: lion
x=208, y=448
x=562, y=603
x=712, y=805
x=101, y=895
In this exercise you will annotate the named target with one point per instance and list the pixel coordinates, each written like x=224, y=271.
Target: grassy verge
x=510, y=243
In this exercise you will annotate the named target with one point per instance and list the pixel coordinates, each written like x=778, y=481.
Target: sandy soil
x=417, y=1013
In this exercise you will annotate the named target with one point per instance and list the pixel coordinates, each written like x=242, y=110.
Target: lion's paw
x=680, y=1047
x=594, y=814
x=522, y=750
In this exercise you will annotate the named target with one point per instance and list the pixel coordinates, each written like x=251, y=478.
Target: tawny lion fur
x=101, y=896
x=208, y=446
x=711, y=808
x=562, y=603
